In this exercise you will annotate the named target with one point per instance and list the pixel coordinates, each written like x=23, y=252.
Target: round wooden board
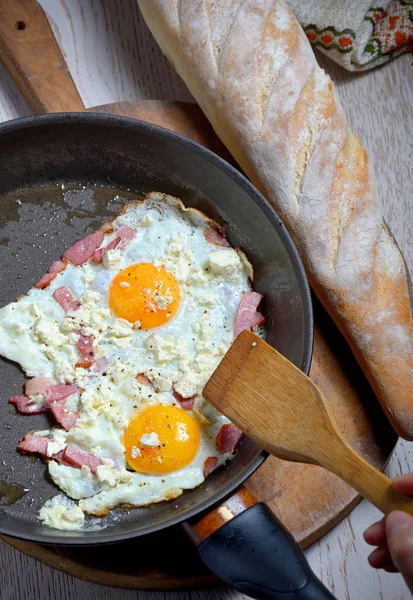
x=309, y=500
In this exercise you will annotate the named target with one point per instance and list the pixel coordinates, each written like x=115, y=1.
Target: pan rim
x=105, y=536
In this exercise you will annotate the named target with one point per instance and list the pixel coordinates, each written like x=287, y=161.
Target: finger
x=399, y=531
x=391, y=569
x=375, y=535
x=380, y=559
x=404, y=483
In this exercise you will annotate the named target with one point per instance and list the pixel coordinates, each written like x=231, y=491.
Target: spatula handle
x=31, y=55
x=366, y=479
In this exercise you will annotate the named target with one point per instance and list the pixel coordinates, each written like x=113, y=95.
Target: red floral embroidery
x=392, y=33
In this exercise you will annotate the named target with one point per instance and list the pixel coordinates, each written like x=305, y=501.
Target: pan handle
x=254, y=552
x=32, y=57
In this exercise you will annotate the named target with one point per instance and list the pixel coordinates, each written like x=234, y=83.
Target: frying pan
x=60, y=176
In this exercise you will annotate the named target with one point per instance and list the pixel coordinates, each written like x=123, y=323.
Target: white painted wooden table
x=112, y=57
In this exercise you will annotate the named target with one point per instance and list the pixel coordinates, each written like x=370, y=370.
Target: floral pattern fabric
x=355, y=33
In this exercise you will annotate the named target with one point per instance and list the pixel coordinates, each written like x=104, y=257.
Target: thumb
x=399, y=532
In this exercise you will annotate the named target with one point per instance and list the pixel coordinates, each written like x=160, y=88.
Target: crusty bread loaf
x=251, y=69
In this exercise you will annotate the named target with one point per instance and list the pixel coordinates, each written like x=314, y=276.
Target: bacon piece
x=82, y=250
x=143, y=380
x=60, y=391
x=45, y=280
x=69, y=456
x=185, y=403
x=56, y=267
x=101, y=364
x=64, y=297
x=228, y=437
x=31, y=443
x=98, y=254
x=56, y=396
x=259, y=320
x=60, y=457
x=65, y=418
x=126, y=234
x=214, y=236
x=69, y=420
x=37, y=385
x=210, y=465
x=77, y=458
x=26, y=406
x=123, y=236
x=247, y=316
x=85, y=346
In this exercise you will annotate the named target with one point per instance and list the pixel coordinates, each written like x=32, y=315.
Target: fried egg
x=131, y=336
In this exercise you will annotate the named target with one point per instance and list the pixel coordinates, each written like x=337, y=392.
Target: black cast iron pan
x=60, y=176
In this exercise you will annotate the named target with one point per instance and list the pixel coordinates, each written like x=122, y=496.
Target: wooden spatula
x=283, y=411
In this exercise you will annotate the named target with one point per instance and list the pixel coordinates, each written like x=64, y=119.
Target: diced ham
x=69, y=456
x=64, y=297
x=228, y=437
x=60, y=391
x=65, y=418
x=56, y=396
x=37, y=385
x=31, y=443
x=77, y=458
x=185, y=403
x=247, y=316
x=56, y=267
x=101, y=364
x=259, y=320
x=210, y=465
x=80, y=252
x=126, y=234
x=60, y=457
x=45, y=280
x=143, y=380
x=214, y=236
x=85, y=346
x=26, y=406
x=98, y=254
x=123, y=236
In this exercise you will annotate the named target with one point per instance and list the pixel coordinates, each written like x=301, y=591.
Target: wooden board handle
x=31, y=55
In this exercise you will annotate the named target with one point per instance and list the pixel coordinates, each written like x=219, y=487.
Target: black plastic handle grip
x=258, y=556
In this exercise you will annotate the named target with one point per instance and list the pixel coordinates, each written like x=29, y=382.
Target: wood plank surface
x=112, y=57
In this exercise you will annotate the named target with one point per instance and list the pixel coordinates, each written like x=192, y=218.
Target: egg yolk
x=144, y=293
x=178, y=434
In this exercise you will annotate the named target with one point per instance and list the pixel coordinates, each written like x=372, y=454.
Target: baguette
x=252, y=70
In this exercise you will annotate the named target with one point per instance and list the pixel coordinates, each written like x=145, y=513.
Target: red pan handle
x=246, y=545
x=32, y=57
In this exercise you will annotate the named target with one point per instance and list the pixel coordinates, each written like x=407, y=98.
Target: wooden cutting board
x=309, y=500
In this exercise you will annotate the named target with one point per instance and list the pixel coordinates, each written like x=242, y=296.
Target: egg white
x=36, y=333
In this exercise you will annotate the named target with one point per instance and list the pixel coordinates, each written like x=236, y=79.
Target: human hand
x=393, y=536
